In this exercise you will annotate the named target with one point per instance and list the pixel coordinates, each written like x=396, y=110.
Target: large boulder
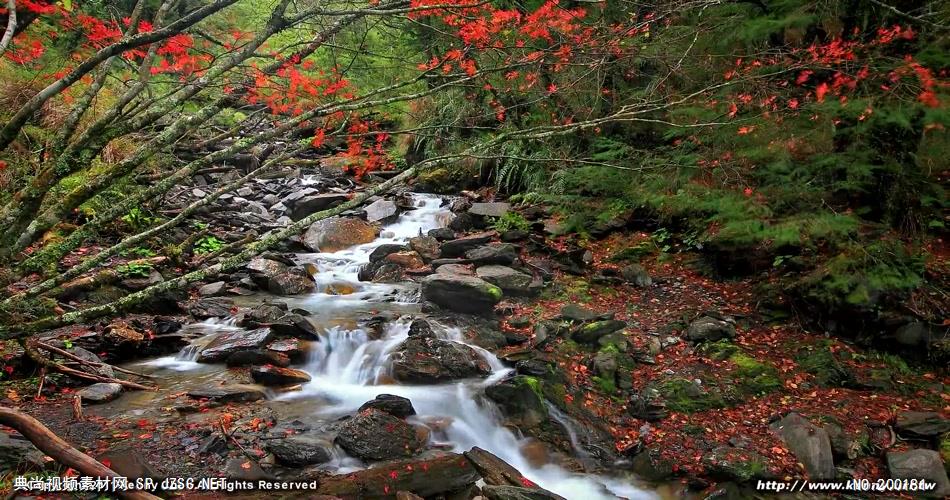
x=18, y=453
x=300, y=450
x=458, y=247
x=266, y=267
x=495, y=209
x=810, y=444
x=709, y=329
x=921, y=424
x=227, y=343
x=294, y=282
x=920, y=464
x=426, y=246
x=381, y=211
x=338, y=233
x=510, y=281
x=376, y=435
x=517, y=398
x=271, y=375
x=312, y=204
x=423, y=359
x=461, y=293
x=396, y=406
x=495, y=253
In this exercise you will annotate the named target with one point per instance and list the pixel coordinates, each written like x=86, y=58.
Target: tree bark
x=11, y=26
x=61, y=451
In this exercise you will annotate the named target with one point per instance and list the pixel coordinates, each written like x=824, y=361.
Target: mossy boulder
x=466, y=294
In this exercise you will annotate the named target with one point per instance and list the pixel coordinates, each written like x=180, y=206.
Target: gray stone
x=300, y=450
x=245, y=469
x=377, y=435
x=512, y=282
x=921, y=424
x=458, y=247
x=495, y=253
x=426, y=246
x=503, y=492
x=496, y=209
x=810, y=444
x=636, y=275
x=19, y=453
x=590, y=333
x=267, y=267
x=290, y=283
x=277, y=376
x=396, y=406
x=212, y=289
x=338, y=233
x=456, y=269
x=312, y=204
x=461, y=293
x=920, y=464
x=424, y=359
x=102, y=392
x=228, y=393
x=518, y=401
x=381, y=211
x=709, y=329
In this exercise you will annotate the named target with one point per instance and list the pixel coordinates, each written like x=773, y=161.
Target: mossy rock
x=755, y=377
x=687, y=396
x=825, y=366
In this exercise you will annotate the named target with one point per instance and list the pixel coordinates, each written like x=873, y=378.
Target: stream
x=349, y=366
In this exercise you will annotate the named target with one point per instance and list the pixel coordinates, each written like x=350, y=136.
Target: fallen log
x=506, y=480
x=425, y=478
x=61, y=451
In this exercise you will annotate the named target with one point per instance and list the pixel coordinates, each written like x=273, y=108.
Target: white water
x=349, y=368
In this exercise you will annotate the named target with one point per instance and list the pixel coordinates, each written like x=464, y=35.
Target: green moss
x=494, y=291
x=825, y=366
x=755, y=377
x=606, y=385
x=945, y=451
x=533, y=383
x=610, y=348
x=685, y=396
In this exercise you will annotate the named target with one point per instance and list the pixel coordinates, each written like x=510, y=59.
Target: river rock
x=465, y=294
x=228, y=393
x=300, y=450
x=291, y=283
x=809, y=443
x=293, y=348
x=245, y=469
x=258, y=357
x=380, y=252
x=456, y=269
x=495, y=253
x=649, y=465
x=921, y=424
x=590, y=333
x=496, y=209
x=212, y=289
x=276, y=376
x=510, y=281
x=920, y=464
x=312, y=204
x=227, y=343
x=338, y=233
x=442, y=234
x=130, y=463
x=405, y=260
x=211, y=307
x=102, y=392
x=396, y=406
x=423, y=359
x=576, y=313
x=266, y=267
x=426, y=246
x=376, y=435
x=429, y=478
x=518, y=400
x=709, y=329
x=381, y=211
x=458, y=247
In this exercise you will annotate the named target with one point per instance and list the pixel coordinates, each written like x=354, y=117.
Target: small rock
x=290, y=283
x=921, y=424
x=300, y=450
x=809, y=443
x=312, y=204
x=100, y=393
x=381, y=211
x=212, y=289
x=228, y=394
x=423, y=359
x=338, y=233
x=426, y=246
x=496, y=253
x=245, y=469
x=258, y=357
x=590, y=333
x=442, y=234
x=636, y=275
x=503, y=492
x=509, y=280
x=456, y=269
x=651, y=466
x=920, y=464
x=18, y=453
x=458, y=247
x=709, y=329
x=227, y=343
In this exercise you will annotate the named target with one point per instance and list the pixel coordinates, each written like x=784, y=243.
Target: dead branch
x=32, y=350
x=61, y=451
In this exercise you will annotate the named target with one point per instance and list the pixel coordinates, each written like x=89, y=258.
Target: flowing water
x=349, y=367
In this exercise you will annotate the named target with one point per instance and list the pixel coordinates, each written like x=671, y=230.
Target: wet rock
x=266, y=267
x=420, y=328
x=496, y=209
x=494, y=471
x=312, y=204
x=405, y=260
x=921, y=424
x=650, y=466
x=294, y=348
x=380, y=252
x=258, y=357
x=424, y=359
x=290, y=283
x=504, y=492
x=212, y=307
x=228, y=393
x=458, y=247
x=338, y=233
x=18, y=453
x=442, y=234
x=300, y=450
x=920, y=464
x=809, y=443
x=590, y=333
x=100, y=393
x=495, y=253
x=709, y=329
x=276, y=376
x=510, y=281
x=212, y=289
x=636, y=275
x=461, y=293
x=227, y=343
x=381, y=211
x=518, y=400
x=396, y=406
x=534, y=368
x=426, y=246
x=245, y=469
x=429, y=478
x=377, y=435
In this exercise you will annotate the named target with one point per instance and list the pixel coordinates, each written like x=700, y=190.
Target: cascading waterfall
x=350, y=367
